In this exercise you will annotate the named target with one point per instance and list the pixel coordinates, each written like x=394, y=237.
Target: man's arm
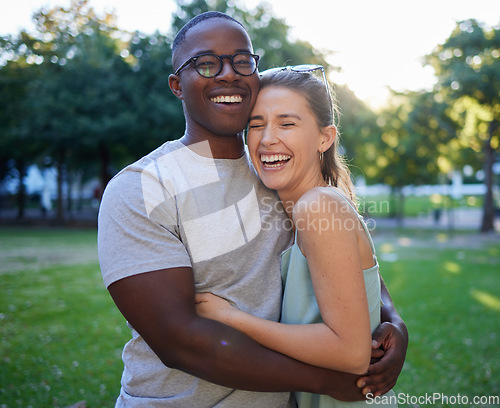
x=160, y=306
x=389, y=345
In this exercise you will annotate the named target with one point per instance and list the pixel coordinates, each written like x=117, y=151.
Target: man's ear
x=174, y=82
x=329, y=133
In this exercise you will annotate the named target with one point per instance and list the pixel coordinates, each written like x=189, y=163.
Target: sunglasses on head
x=306, y=68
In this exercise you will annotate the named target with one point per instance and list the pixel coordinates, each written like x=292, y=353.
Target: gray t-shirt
x=174, y=208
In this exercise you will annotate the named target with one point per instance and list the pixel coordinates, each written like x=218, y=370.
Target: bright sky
x=378, y=43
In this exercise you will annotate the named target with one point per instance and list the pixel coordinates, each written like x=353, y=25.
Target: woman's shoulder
x=323, y=201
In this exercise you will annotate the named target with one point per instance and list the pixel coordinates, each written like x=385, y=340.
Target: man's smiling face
x=220, y=105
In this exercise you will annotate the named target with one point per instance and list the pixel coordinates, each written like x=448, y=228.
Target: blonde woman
x=332, y=295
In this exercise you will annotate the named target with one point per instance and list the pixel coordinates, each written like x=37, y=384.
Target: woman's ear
x=175, y=85
x=328, y=135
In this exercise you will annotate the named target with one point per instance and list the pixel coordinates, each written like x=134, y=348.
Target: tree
x=66, y=79
x=159, y=113
x=467, y=66
x=101, y=95
x=270, y=35
x=359, y=133
x=413, y=147
x=18, y=145
x=92, y=93
x=81, y=97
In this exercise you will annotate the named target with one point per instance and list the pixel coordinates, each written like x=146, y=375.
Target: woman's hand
x=213, y=307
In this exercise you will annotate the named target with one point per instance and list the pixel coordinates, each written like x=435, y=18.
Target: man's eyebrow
x=213, y=51
x=256, y=117
x=205, y=52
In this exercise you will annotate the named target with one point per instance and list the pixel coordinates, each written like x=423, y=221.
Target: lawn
x=447, y=289
x=61, y=336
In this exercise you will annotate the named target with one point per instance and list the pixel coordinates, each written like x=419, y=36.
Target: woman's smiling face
x=284, y=141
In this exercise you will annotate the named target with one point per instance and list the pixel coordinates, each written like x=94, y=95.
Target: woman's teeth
x=274, y=160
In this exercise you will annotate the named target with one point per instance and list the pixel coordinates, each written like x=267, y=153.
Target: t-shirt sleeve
x=133, y=238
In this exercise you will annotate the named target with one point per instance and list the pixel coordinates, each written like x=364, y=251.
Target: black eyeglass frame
x=220, y=58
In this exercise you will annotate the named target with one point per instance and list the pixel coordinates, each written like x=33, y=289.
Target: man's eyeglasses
x=309, y=68
x=210, y=65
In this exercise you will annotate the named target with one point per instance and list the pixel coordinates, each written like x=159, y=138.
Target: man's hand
x=388, y=354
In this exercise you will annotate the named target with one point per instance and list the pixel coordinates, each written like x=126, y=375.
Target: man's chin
x=230, y=131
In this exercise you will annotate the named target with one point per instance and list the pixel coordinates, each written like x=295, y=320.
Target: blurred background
x=84, y=92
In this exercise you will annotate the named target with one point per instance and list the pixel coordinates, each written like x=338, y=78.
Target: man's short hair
x=181, y=35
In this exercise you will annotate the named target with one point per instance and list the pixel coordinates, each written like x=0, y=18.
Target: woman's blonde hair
x=319, y=98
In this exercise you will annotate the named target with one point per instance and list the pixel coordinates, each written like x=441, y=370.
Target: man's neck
x=224, y=147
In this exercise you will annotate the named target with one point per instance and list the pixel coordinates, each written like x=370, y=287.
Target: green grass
x=447, y=289
x=61, y=335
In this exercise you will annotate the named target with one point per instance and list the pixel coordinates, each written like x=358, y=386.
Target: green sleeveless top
x=300, y=307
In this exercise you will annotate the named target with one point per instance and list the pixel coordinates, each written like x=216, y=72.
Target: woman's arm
x=329, y=242
x=210, y=350
x=307, y=343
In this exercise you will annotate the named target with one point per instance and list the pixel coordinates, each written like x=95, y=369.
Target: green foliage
x=359, y=134
x=468, y=63
x=415, y=140
x=158, y=112
x=467, y=66
x=271, y=39
x=91, y=95
x=95, y=98
x=17, y=144
x=94, y=93
x=270, y=35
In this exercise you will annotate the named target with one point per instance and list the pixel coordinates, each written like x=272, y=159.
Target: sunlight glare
x=452, y=267
x=486, y=299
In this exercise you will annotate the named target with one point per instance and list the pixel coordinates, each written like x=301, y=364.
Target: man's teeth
x=227, y=99
x=274, y=160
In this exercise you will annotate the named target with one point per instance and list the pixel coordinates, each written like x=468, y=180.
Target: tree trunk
x=60, y=181
x=21, y=194
x=69, y=200
x=487, y=224
x=105, y=176
x=400, y=207
x=393, y=210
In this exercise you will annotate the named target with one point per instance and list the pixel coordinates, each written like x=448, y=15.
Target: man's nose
x=227, y=71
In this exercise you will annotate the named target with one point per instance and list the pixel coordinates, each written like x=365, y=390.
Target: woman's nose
x=269, y=136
